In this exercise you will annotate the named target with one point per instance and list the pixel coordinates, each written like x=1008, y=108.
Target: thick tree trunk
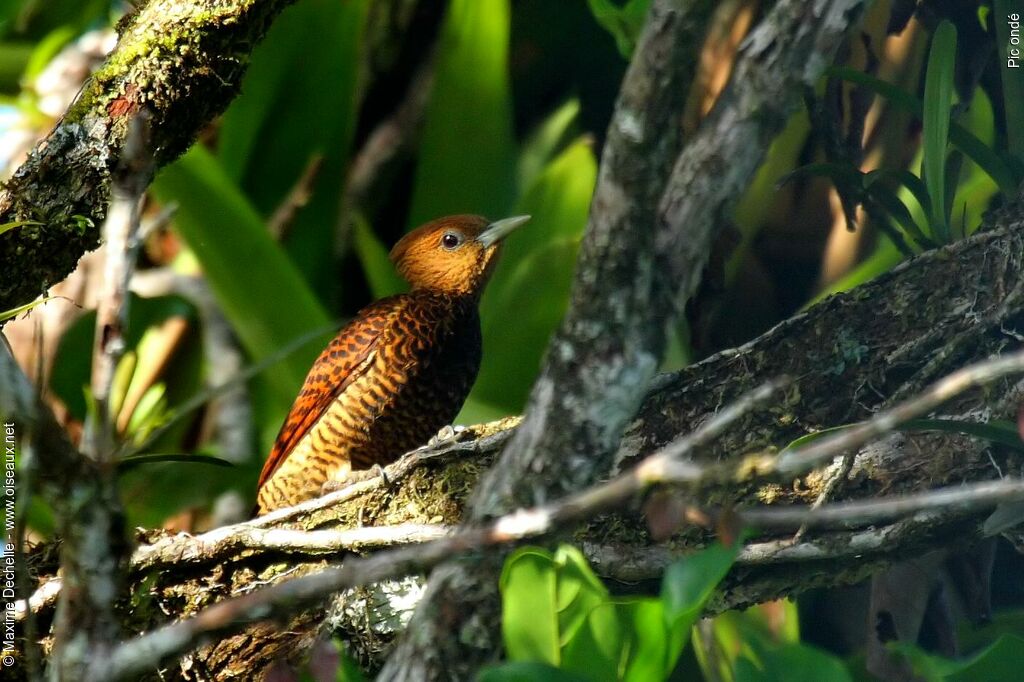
x=849, y=355
x=181, y=61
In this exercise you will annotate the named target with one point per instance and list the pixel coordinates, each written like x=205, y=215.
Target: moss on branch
x=180, y=61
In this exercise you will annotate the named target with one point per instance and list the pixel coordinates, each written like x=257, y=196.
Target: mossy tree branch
x=848, y=355
x=181, y=61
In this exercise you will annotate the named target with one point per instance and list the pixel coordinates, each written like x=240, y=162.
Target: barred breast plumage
x=396, y=374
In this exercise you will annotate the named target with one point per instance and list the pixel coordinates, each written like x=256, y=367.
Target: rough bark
x=635, y=271
x=183, y=62
x=849, y=354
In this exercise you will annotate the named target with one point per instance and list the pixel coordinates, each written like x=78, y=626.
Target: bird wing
x=345, y=359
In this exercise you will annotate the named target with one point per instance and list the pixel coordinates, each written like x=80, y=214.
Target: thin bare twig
x=805, y=458
x=94, y=550
x=965, y=499
x=133, y=656
x=284, y=215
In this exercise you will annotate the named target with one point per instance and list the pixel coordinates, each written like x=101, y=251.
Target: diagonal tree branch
x=184, y=62
x=632, y=268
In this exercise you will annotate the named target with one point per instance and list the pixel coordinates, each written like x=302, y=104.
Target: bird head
x=455, y=254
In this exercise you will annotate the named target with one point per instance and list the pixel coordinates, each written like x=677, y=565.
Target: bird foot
x=446, y=435
x=376, y=471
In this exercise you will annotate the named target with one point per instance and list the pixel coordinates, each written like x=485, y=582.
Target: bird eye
x=451, y=240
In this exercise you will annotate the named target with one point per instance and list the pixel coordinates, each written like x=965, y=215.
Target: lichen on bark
x=182, y=62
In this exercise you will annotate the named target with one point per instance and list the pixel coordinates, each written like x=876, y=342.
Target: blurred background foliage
x=358, y=120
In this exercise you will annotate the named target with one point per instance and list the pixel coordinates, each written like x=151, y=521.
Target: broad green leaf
x=546, y=141
x=938, y=103
x=299, y=106
x=960, y=137
x=598, y=649
x=164, y=457
x=647, y=654
x=529, y=293
x=791, y=663
x=262, y=294
x=624, y=22
x=1012, y=75
x=686, y=587
x=14, y=312
x=297, y=96
x=528, y=671
x=579, y=591
x=373, y=256
x=6, y=227
x=528, y=607
x=1000, y=661
x=466, y=157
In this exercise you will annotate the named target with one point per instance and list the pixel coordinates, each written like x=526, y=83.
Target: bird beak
x=499, y=229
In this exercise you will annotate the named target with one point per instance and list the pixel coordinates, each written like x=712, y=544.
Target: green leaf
x=262, y=293
x=7, y=227
x=1001, y=661
x=997, y=431
x=960, y=137
x=148, y=414
x=647, y=655
x=14, y=312
x=598, y=648
x=791, y=663
x=898, y=211
x=528, y=607
x=579, y=591
x=467, y=157
x=624, y=22
x=528, y=671
x=547, y=604
x=533, y=280
x=686, y=587
x=373, y=256
x=299, y=105
x=1012, y=77
x=163, y=457
x=546, y=141
x=938, y=103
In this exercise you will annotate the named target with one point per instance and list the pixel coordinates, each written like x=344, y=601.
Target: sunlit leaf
x=546, y=141
x=164, y=457
x=938, y=103
x=529, y=609
x=466, y=157
x=528, y=671
x=686, y=587
x=529, y=293
x=373, y=256
x=263, y=296
x=14, y=312
x=1000, y=661
x=7, y=227
x=792, y=663
x=622, y=21
x=959, y=136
